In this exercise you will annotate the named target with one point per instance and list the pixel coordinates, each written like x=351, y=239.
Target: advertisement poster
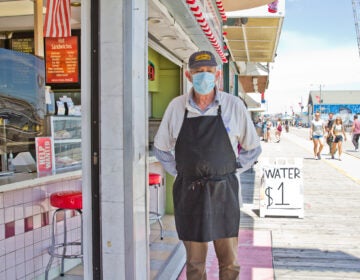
x=61, y=60
x=22, y=79
x=44, y=154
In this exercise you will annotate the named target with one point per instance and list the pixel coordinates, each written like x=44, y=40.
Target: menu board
x=25, y=45
x=62, y=60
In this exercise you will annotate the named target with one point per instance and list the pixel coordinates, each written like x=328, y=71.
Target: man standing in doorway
x=197, y=142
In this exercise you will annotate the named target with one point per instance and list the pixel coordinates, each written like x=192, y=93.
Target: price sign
x=281, y=191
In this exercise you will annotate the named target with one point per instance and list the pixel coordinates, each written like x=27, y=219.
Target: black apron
x=206, y=189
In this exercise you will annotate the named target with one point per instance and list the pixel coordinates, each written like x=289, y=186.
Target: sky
x=317, y=47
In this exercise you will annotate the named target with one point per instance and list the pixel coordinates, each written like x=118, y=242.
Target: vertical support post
x=236, y=85
x=38, y=28
x=226, y=71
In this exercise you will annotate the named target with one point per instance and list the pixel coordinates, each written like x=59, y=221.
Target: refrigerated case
x=66, y=133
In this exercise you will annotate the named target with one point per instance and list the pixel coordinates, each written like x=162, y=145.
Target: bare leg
x=316, y=143
x=340, y=149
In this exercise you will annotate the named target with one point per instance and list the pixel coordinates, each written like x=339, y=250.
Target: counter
x=25, y=221
x=27, y=180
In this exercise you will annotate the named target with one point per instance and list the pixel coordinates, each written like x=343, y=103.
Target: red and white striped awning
x=198, y=14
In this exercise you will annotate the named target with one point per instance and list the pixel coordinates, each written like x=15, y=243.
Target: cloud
x=306, y=62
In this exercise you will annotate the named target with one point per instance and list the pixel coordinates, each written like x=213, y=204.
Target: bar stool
x=64, y=200
x=155, y=182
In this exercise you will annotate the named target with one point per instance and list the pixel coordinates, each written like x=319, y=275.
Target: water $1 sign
x=281, y=191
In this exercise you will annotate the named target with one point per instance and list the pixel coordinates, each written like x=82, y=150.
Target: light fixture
x=155, y=20
x=168, y=37
x=75, y=4
x=181, y=49
x=244, y=20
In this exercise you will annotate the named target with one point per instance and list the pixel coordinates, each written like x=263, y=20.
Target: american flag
x=57, y=19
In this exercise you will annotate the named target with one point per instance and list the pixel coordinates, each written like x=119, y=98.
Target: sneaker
x=332, y=157
x=339, y=158
x=356, y=150
x=315, y=157
x=319, y=156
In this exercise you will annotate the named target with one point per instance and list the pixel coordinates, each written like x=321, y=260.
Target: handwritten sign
x=281, y=191
x=44, y=154
x=62, y=60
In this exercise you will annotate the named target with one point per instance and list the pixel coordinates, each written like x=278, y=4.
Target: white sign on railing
x=282, y=191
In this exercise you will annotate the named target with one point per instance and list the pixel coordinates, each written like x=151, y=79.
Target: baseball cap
x=202, y=58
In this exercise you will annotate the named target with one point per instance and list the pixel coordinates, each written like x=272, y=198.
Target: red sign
x=62, y=60
x=44, y=154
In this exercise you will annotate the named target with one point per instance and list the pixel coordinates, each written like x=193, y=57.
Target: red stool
x=155, y=182
x=64, y=200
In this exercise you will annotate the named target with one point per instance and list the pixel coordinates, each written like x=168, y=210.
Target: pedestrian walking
x=268, y=130
x=278, y=130
x=355, y=130
x=286, y=125
x=198, y=142
x=328, y=127
x=317, y=131
x=338, y=131
x=264, y=130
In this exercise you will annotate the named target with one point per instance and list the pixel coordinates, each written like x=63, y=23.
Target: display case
x=66, y=133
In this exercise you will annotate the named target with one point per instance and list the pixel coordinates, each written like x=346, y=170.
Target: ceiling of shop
x=19, y=15
x=173, y=26
x=254, y=41
x=231, y=5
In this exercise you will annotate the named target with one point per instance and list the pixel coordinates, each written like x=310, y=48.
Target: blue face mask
x=203, y=82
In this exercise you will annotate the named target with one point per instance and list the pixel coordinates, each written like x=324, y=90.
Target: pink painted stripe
x=255, y=257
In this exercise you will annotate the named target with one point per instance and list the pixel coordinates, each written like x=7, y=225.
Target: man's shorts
x=338, y=138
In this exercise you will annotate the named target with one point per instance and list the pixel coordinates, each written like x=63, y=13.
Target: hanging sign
x=151, y=71
x=44, y=154
x=281, y=191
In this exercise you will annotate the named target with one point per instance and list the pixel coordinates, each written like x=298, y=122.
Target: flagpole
x=320, y=101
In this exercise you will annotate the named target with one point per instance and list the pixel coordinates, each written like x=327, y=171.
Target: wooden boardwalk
x=326, y=243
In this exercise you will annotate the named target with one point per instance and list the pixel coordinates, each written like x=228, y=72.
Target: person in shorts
x=328, y=127
x=317, y=131
x=338, y=131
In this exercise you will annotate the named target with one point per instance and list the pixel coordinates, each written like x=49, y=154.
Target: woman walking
x=338, y=131
x=317, y=131
x=278, y=130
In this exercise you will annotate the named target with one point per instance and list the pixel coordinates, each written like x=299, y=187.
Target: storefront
x=123, y=84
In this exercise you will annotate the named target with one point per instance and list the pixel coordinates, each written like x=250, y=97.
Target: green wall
x=168, y=86
x=163, y=89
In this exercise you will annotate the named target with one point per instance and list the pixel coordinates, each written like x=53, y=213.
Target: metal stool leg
x=52, y=246
x=64, y=245
x=157, y=213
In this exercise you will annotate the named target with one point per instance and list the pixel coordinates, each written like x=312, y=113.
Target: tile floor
x=160, y=250
x=255, y=254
